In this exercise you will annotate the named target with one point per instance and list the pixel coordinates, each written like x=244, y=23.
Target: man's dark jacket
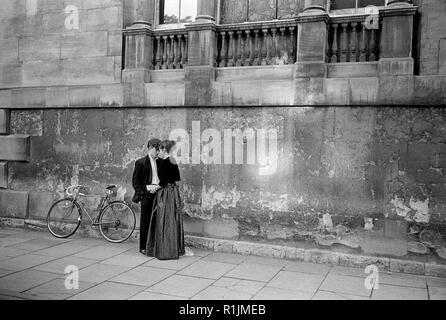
x=142, y=176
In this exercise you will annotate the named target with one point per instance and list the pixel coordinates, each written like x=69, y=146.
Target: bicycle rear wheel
x=117, y=222
x=64, y=218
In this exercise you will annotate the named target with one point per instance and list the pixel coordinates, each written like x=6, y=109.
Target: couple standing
x=154, y=180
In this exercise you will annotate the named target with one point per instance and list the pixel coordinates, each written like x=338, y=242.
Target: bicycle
x=116, y=220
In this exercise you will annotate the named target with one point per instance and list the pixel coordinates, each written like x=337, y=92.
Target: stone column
x=311, y=52
x=138, y=62
x=396, y=38
x=140, y=11
x=200, y=72
x=206, y=10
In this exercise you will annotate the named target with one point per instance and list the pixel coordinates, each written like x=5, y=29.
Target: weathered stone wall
x=343, y=174
x=43, y=45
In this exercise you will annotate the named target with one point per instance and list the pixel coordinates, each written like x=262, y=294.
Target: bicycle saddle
x=111, y=187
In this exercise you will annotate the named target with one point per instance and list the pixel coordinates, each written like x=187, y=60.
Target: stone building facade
x=348, y=101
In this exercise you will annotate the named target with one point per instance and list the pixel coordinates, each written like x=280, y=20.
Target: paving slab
x=25, y=280
x=256, y=272
x=266, y=261
x=154, y=296
x=58, y=266
x=56, y=289
x=269, y=293
x=35, y=244
x=178, y=265
x=128, y=259
x=436, y=282
x=436, y=293
x=388, y=292
x=326, y=295
x=11, y=252
x=401, y=279
x=225, y=258
x=345, y=284
x=100, y=252
x=305, y=267
x=63, y=250
x=207, y=269
x=349, y=271
x=4, y=272
x=297, y=281
x=145, y=276
x=230, y=289
x=99, y=272
x=24, y=262
x=8, y=241
x=109, y=291
x=181, y=286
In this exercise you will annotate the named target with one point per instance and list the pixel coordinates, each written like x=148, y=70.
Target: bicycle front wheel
x=64, y=218
x=117, y=222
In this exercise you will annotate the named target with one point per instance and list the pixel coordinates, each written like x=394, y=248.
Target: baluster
x=176, y=61
x=265, y=49
x=159, y=50
x=344, y=42
x=231, y=51
x=372, y=46
x=363, y=43
x=251, y=49
x=181, y=43
x=354, y=42
x=171, y=52
x=224, y=50
x=283, y=53
x=239, y=48
x=216, y=51
x=334, y=47
x=292, y=51
x=186, y=51
x=165, y=49
x=257, y=49
x=274, y=53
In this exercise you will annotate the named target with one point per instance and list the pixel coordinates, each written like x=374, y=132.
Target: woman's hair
x=167, y=145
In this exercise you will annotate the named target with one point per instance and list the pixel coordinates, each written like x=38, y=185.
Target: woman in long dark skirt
x=166, y=235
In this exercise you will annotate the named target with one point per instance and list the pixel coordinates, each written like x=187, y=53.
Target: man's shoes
x=144, y=252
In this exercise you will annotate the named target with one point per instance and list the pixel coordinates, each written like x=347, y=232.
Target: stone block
x=193, y=226
x=245, y=93
x=359, y=261
x=337, y=91
x=135, y=86
x=112, y=95
x=15, y=148
x=57, y=97
x=114, y=43
x=198, y=89
x=39, y=204
x=321, y=257
x=310, y=70
x=363, y=90
x=292, y=253
x=11, y=74
x=28, y=97
x=3, y=175
x=38, y=48
x=4, y=121
x=84, y=96
x=395, y=66
x=243, y=247
x=199, y=242
x=407, y=266
x=429, y=90
x=276, y=93
x=88, y=71
x=85, y=44
x=201, y=46
x=221, y=228
x=435, y=270
x=352, y=70
x=9, y=51
x=103, y=19
x=311, y=44
x=43, y=73
x=442, y=57
x=226, y=246
x=396, y=36
x=396, y=90
x=308, y=91
x=14, y=204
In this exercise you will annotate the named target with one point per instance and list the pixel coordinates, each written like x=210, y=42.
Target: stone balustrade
x=170, y=49
x=351, y=40
x=254, y=44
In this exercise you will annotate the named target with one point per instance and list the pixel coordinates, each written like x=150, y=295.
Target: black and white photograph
x=225, y=157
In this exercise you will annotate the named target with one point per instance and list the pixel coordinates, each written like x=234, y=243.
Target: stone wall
x=351, y=176
x=54, y=42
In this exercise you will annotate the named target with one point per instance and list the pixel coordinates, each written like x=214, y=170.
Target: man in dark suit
x=145, y=181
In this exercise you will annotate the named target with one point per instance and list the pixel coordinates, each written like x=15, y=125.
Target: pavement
x=33, y=265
